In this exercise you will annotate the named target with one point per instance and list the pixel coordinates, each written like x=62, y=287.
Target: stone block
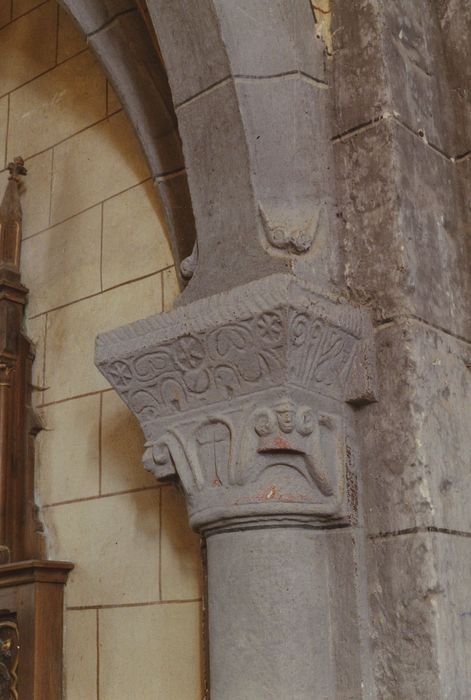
x=224, y=204
x=171, y=650
x=122, y=447
x=266, y=40
x=171, y=288
x=28, y=48
x=181, y=571
x=403, y=206
x=36, y=193
x=416, y=439
x=80, y=654
x=360, y=93
x=420, y=615
x=416, y=71
x=454, y=17
x=112, y=541
x=189, y=36
x=71, y=335
x=128, y=55
x=70, y=39
x=73, y=96
x=92, y=15
x=404, y=588
x=81, y=179
x=175, y=196
x=451, y=602
x=68, y=451
x=134, y=237
x=62, y=264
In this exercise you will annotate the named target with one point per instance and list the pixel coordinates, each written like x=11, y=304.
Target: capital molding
x=246, y=397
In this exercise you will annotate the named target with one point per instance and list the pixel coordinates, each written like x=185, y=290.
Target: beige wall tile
x=35, y=199
x=5, y=13
x=62, y=264
x=113, y=542
x=68, y=450
x=22, y=6
x=163, y=642
x=180, y=550
x=28, y=47
x=134, y=241
x=80, y=654
x=56, y=106
x=171, y=288
x=70, y=39
x=71, y=334
x=36, y=331
x=94, y=165
x=3, y=131
x=122, y=448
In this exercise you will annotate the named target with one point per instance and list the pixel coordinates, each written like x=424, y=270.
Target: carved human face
x=305, y=421
x=285, y=415
x=263, y=423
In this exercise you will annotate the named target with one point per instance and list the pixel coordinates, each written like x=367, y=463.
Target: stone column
x=247, y=398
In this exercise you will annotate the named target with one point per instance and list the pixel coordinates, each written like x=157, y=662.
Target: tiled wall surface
x=95, y=256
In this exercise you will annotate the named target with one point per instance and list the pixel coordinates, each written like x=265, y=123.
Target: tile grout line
x=146, y=603
x=43, y=73
x=71, y=136
x=82, y=211
x=105, y=291
x=24, y=14
x=112, y=494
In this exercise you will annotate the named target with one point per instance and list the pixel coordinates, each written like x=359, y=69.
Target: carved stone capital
x=247, y=398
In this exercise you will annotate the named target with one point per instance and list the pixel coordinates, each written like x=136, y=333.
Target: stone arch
x=247, y=94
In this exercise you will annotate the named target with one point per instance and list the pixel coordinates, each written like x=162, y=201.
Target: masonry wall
x=95, y=256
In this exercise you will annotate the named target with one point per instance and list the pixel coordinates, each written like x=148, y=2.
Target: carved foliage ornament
x=245, y=398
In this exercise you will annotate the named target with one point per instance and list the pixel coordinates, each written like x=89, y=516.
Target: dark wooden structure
x=31, y=589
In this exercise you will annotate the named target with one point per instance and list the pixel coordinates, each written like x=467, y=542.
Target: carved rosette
x=247, y=398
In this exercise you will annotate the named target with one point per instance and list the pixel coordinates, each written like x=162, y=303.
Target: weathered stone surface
x=407, y=60
x=190, y=39
x=224, y=205
x=207, y=42
x=244, y=396
x=270, y=39
x=453, y=611
x=404, y=211
x=361, y=92
x=403, y=592
x=420, y=615
x=92, y=15
x=279, y=611
x=416, y=439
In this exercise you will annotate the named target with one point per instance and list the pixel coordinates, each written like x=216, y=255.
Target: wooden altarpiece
x=31, y=588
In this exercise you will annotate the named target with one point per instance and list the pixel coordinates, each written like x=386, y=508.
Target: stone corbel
x=245, y=398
